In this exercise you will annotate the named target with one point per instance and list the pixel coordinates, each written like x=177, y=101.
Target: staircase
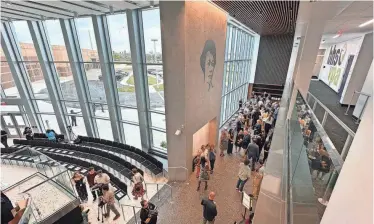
x=274, y=90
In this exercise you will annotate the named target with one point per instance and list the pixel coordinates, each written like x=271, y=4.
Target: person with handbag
x=148, y=213
x=244, y=174
x=138, y=190
x=204, y=173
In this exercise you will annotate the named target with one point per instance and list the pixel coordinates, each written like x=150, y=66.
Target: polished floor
x=330, y=99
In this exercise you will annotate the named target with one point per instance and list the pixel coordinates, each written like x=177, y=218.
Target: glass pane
x=119, y=37
x=100, y=110
x=19, y=120
x=50, y=122
x=159, y=139
x=132, y=135
x=9, y=108
x=56, y=40
x=87, y=41
x=8, y=120
x=73, y=108
x=45, y=106
x=152, y=35
x=95, y=82
x=77, y=124
x=105, y=129
x=7, y=82
x=129, y=114
x=37, y=80
x=125, y=84
x=65, y=76
x=158, y=120
x=12, y=131
x=156, y=87
x=25, y=41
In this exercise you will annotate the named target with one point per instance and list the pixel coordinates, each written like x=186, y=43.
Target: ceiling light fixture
x=336, y=36
x=366, y=23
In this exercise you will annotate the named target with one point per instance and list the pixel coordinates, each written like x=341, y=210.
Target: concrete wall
x=366, y=88
x=356, y=79
x=187, y=27
x=352, y=198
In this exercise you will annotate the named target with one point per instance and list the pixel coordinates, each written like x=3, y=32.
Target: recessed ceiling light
x=323, y=41
x=336, y=36
x=366, y=23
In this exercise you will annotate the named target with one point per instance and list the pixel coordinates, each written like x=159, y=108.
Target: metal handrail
x=158, y=193
x=133, y=209
x=341, y=123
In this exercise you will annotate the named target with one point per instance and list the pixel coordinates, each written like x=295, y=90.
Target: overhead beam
x=93, y=5
x=14, y=16
x=45, y=10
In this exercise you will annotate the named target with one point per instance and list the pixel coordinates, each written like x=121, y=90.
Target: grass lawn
x=159, y=88
x=126, y=89
x=151, y=80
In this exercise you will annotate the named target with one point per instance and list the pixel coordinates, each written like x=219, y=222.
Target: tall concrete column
x=352, y=198
x=193, y=42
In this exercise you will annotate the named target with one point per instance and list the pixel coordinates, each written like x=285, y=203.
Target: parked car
x=119, y=75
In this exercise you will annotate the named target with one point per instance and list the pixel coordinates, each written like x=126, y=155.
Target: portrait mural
x=208, y=62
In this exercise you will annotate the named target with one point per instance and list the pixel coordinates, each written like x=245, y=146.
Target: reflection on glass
x=8, y=120
x=125, y=84
x=77, y=124
x=159, y=139
x=105, y=129
x=7, y=82
x=45, y=106
x=9, y=108
x=158, y=120
x=65, y=76
x=19, y=120
x=132, y=135
x=37, y=80
x=25, y=41
x=56, y=40
x=87, y=41
x=12, y=131
x=50, y=122
x=152, y=35
x=95, y=82
x=72, y=107
x=119, y=37
x=129, y=114
x=156, y=87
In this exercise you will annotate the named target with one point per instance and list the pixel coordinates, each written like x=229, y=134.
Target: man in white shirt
x=101, y=179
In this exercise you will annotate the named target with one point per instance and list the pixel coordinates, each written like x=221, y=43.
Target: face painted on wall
x=209, y=68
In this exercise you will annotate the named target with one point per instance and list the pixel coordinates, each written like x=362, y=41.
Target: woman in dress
x=80, y=186
x=137, y=179
x=223, y=142
x=230, y=142
x=238, y=142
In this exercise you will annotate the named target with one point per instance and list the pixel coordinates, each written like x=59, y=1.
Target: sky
x=118, y=31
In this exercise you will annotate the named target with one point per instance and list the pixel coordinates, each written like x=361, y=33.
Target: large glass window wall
x=91, y=77
x=237, y=69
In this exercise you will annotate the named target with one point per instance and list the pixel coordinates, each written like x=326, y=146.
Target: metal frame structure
x=237, y=69
x=47, y=64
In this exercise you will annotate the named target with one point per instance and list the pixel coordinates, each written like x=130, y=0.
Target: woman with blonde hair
x=223, y=142
x=80, y=186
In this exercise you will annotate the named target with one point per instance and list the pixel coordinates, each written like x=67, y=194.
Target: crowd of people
x=247, y=135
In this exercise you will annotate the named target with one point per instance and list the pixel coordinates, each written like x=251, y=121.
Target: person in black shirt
x=6, y=209
x=209, y=209
x=28, y=133
x=73, y=118
x=148, y=213
x=255, y=116
x=240, y=104
x=4, y=138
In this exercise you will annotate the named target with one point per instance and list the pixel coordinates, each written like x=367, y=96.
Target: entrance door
x=14, y=124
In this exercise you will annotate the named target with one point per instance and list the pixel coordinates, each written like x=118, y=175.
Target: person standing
x=204, y=173
x=239, y=141
x=266, y=150
x=223, y=142
x=80, y=186
x=253, y=152
x=246, y=141
x=91, y=181
x=209, y=209
x=148, y=213
x=240, y=104
x=6, y=208
x=101, y=179
x=243, y=175
x=255, y=116
x=230, y=141
x=4, y=138
x=137, y=179
x=73, y=118
x=212, y=158
x=269, y=123
x=109, y=199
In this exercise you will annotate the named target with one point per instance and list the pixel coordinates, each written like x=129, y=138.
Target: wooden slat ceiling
x=264, y=17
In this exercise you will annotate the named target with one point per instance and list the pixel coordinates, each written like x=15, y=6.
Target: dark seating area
x=43, y=136
x=70, y=163
x=94, y=155
x=137, y=155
